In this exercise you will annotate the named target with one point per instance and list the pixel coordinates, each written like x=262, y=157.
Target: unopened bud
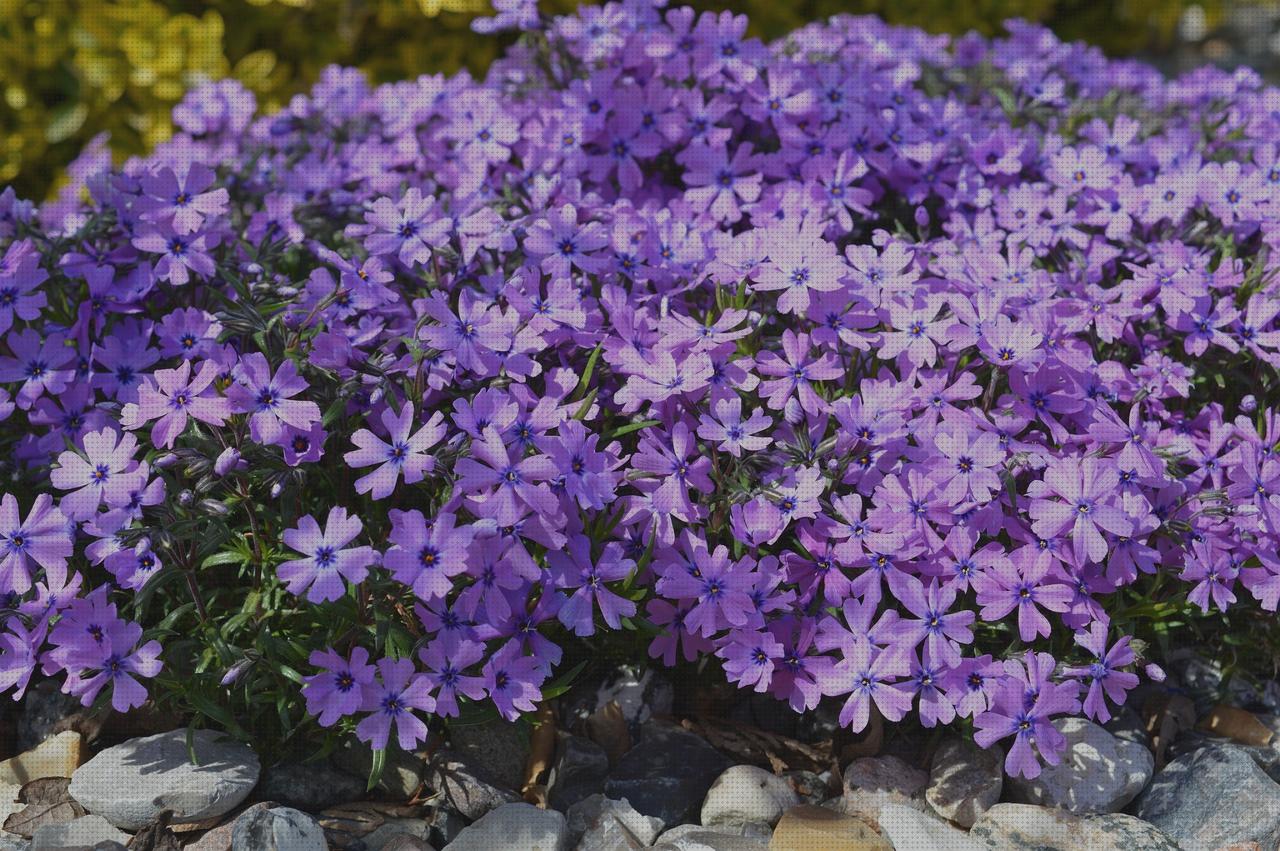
x=226, y=461
x=1154, y=673
x=277, y=489
x=186, y=498
x=167, y=460
x=212, y=506
x=1249, y=404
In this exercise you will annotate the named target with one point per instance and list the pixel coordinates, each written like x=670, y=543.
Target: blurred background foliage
x=70, y=69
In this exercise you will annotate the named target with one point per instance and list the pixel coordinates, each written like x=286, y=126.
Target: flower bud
x=1249, y=404
x=277, y=489
x=186, y=498
x=1154, y=673
x=226, y=461
x=212, y=506
x=167, y=460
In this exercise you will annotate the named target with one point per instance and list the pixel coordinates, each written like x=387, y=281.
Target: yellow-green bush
x=74, y=68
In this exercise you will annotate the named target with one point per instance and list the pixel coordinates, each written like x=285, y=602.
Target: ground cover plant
x=931, y=375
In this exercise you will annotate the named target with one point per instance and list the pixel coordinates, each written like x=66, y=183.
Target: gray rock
x=745, y=793
x=598, y=814
x=517, y=827
x=812, y=788
x=911, y=830
x=1125, y=833
x=498, y=749
x=692, y=837
x=1203, y=681
x=874, y=781
x=401, y=774
x=667, y=773
x=43, y=706
x=277, y=829
x=598, y=822
x=640, y=695
x=1127, y=725
x=1098, y=773
x=1211, y=797
x=393, y=830
x=1027, y=827
x=131, y=783
x=14, y=843
x=108, y=845
x=464, y=788
x=965, y=780
x=309, y=786
x=407, y=843
x=445, y=825
x=78, y=833
x=579, y=770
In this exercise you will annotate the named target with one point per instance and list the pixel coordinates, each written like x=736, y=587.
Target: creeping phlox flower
x=801, y=364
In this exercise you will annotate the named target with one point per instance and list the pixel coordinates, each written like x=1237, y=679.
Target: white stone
x=1099, y=773
x=593, y=813
x=911, y=830
x=964, y=780
x=515, y=827
x=84, y=832
x=277, y=829
x=745, y=793
x=133, y=782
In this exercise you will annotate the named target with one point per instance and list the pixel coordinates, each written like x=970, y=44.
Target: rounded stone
x=1099, y=773
x=964, y=781
x=132, y=783
x=745, y=793
x=277, y=829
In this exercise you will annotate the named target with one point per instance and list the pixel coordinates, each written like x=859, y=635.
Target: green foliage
x=76, y=68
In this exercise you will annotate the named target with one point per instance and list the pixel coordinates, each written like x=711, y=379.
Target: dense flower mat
x=926, y=374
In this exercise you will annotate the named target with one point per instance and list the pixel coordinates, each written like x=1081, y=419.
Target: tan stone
x=809, y=828
x=57, y=756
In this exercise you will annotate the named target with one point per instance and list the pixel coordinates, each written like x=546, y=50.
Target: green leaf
x=585, y=381
x=221, y=558
x=630, y=427
x=65, y=121
x=375, y=770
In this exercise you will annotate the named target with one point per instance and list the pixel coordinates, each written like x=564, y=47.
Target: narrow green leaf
x=375, y=770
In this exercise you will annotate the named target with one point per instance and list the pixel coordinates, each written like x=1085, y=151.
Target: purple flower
x=733, y=433
x=20, y=275
x=425, y=556
x=115, y=659
x=327, y=560
x=446, y=663
x=402, y=452
x=1103, y=675
x=498, y=484
x=513, y=682
x=41, y=540
x=1022, y=707
x=574, y=569
x=340, y=689
x=183, y=201
x=870, y=675
x=1021, y=584
x=391, y=702
x=106, y=473
x=172, y=397
x=409, y=230
x=1083, y=487
x=180, y=254
x=267, y=399
x=41, y=365
x=562, y=244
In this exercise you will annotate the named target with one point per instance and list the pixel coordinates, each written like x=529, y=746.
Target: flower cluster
x=921, y=375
